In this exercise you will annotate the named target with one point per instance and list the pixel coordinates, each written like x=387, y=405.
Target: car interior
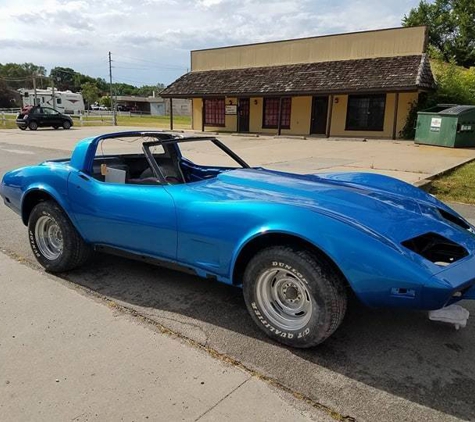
x=136, y=169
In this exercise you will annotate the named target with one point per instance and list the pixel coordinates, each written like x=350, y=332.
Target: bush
x=455, y=85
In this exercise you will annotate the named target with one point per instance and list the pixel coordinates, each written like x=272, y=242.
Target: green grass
x=179, y=122
x=162, y=122
x=159, y=122
x=456, y=186
x=8, y=124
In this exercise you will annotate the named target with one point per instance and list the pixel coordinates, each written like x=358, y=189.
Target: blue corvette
x=295, y=243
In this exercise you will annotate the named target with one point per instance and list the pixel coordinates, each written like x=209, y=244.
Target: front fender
x=372, y=267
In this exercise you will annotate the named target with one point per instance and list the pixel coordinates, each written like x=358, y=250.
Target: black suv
x=37, y=116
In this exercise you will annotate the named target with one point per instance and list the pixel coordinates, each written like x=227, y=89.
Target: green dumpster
x=446, y=125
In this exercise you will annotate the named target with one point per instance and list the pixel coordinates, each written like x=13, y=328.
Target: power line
x=149, y=69
x=171, y=66
x=15, y=79
x=131, y=80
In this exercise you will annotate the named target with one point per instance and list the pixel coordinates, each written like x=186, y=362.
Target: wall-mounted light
x=337, y=100
x=255, y=102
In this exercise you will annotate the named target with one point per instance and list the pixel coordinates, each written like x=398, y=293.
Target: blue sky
x=150, y=40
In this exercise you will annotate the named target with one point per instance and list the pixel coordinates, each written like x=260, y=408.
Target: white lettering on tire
x=274, y=330
x=291, y=269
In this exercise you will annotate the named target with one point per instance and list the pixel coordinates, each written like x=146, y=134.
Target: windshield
x=191, y=159
x=210, y=153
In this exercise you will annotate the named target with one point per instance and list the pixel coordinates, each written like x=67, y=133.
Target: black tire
x=33, y=125
x=75, y=252
x=317, y=283
x=66, y=124
x=55, y=127
x=22, y=127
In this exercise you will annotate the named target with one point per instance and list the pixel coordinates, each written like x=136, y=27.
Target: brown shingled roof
x=380, y=74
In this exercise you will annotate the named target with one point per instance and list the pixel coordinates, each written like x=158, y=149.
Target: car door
x=138, y=218
x=51, y=117
x=36, y=114
x=42, y=117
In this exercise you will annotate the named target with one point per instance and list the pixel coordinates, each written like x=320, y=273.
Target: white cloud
x=79, y=33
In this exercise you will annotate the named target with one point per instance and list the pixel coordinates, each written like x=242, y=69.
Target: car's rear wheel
x=294, y=296
x=66, y=124
x=33, y=125
x=55, y=242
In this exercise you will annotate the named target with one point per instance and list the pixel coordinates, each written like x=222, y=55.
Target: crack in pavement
x=221, y=400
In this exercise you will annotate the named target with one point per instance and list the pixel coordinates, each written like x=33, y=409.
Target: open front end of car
x=453, y=252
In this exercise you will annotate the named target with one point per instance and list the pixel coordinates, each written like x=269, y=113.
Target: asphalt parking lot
x=380, y=365
x=401, y=159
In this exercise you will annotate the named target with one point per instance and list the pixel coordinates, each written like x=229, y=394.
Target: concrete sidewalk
x=67, y=356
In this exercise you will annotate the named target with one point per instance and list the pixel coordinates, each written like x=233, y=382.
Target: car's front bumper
x=455, y=283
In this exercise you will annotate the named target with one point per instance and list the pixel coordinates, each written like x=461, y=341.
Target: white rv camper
x=64, y=101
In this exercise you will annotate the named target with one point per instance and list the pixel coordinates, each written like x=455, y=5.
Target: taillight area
x=436, y=248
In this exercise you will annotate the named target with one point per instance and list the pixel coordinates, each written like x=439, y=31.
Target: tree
x=105, y=101
x=451, y=26
x=21, y=75
x=64, y=79
x=7, y=97
x=148, y=90
x=124, y=89
x=90, y=92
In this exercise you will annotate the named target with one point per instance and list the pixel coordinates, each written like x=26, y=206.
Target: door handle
x=84, y=177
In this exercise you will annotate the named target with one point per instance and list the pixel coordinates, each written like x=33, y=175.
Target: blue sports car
x=295, y=243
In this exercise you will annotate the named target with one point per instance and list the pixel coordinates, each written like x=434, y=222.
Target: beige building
x=358, y=84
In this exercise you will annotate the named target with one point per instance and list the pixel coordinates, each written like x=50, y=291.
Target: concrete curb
x=429, y=179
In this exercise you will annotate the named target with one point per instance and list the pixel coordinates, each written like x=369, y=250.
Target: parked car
x=296, y=244
x=39, y=116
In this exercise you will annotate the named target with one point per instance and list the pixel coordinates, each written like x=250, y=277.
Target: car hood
x=383, y=205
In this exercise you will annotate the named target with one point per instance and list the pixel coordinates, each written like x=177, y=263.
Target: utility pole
x=34, y=88
x=114, y=117
x=52, y=93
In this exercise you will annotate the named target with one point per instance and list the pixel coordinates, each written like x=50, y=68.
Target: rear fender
x=37, y=193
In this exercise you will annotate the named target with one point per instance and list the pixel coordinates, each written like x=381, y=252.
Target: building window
x=365, y=112
x=214, y=111
x=270, y=118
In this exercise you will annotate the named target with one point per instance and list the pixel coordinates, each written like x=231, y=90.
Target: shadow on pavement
x=400, y=352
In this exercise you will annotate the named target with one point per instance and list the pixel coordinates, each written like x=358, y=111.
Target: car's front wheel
x=294, y=296
x=55, y=242
x=66, y=124
x=33, y=125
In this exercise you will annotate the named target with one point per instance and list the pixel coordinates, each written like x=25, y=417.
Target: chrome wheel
x=284, y=299
x=49, y=237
